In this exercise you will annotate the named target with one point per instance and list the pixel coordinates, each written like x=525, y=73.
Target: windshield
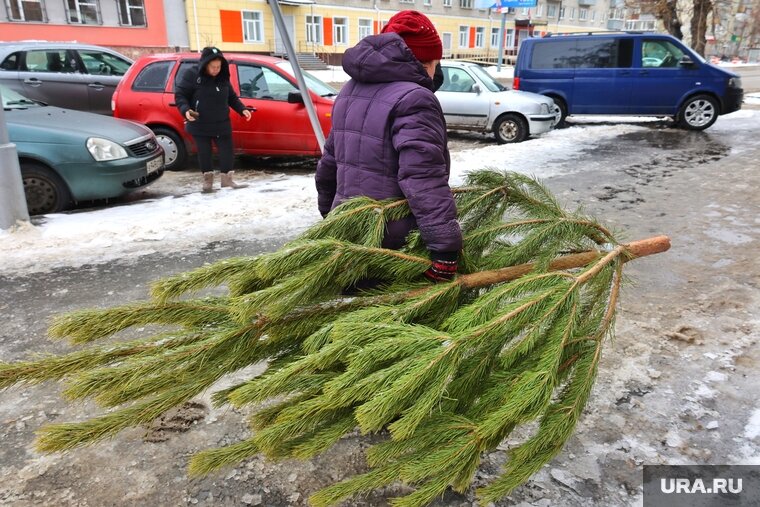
x=487, y=80
x=14, y=100
x=315, y=84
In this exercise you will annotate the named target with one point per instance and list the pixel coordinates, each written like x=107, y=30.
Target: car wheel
x=175, y=152
x=45, y=191
x=510, y=128
x=559, y=103
x=698, y=112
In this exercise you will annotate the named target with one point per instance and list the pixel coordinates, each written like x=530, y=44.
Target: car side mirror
x=686, y=61
x=295, y=98
x=476, y=88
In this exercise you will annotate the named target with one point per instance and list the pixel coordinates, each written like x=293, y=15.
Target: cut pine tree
x=449, y=370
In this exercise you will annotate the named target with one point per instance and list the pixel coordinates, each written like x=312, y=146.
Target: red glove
x=444, y=267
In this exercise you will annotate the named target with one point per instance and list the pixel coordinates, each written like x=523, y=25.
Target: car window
x=312, y=82
x=184, y=68
x=601, y=53
x=257, y=82
x=660, y=53
x=11, y=62
x=50, y=60
x=487, y=80
x=103, y=64
x=553, y=55
x=456, y=80
x=153, y=77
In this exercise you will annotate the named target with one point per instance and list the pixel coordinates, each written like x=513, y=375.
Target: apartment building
x=327, y=29
x=132, y=27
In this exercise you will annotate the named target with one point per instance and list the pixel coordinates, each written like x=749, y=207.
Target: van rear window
x=596, y=53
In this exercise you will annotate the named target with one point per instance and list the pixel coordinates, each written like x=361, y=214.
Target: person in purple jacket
x=388, y=138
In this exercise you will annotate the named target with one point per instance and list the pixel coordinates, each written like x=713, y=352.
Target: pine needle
x=443, y=372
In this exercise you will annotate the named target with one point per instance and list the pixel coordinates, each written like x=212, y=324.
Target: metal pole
x=197, y=33
x=12, y=200
x=501, y=41
x=277, y=13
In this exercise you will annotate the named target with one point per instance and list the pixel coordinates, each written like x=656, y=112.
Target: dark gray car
x=63, y=74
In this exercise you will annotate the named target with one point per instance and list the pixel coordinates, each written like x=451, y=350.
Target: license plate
x=155, y=164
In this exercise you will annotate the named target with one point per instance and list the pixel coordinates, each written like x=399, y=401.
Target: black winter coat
x=210, y=97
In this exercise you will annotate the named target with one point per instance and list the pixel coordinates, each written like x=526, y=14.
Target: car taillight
x=516, y=83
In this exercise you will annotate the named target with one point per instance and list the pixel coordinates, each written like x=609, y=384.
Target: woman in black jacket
x=204, y=96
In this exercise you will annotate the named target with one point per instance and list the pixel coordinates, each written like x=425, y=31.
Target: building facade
x=327, y=29
x=131, y=27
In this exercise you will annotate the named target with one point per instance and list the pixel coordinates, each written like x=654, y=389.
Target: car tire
x=698, y=112
x=510, y=128
x=175, y=151
x=562, y=111
x=44, y=190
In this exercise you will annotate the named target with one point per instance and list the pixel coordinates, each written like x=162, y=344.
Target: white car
x=473, y=100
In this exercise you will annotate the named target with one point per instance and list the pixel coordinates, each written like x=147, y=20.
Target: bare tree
x=667, y=11
x=702, y=9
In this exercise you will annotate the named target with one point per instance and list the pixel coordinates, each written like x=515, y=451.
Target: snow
x=274, y=206
x=752, y=429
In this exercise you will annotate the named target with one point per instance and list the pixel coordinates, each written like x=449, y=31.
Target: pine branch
x=449, y=370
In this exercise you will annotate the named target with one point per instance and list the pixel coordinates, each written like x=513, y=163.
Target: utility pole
x=277, y=13
x=12, y=200
x=501, y=40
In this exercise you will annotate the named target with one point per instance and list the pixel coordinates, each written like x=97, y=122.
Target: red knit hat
x=419, y=34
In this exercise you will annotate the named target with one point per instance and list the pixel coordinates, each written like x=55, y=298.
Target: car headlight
x=544, y=108
x=735, y=82
x=103, y=149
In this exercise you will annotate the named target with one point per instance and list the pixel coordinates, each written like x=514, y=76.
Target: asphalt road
x=678, y=384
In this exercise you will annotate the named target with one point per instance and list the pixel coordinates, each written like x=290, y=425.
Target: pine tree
x=446, y=371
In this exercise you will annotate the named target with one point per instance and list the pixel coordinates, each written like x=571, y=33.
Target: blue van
x=627, y=73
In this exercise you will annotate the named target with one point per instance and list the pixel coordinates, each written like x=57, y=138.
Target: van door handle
x=97, y=86
x=644, y=72
x=625, y=72
x=32, y=81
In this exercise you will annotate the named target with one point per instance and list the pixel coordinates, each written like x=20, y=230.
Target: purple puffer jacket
x=388, y=139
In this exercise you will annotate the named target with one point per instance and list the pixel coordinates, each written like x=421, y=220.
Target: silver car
x=63, y=74
x=473, y=100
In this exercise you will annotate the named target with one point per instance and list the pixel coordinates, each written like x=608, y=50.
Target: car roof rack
x=598, y=32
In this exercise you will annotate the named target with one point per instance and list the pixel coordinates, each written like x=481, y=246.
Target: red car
x=280, y=125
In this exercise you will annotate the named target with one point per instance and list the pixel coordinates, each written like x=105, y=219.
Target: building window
x=25, y=10
x=340, y=31
x=427, y=2
x=561, y=13
x=83, y=12
x=406, y=1
x=593, y=15
x=253, y=26
x=582, y=14
x=463, y=36
x=447, y=3
x=494, y=37
x=465, y=4
x=131, y=12
x=539, y=10
x=314, y=29
x=551, y=10
x=365, y=27
x=480, y=36
x=510, y=38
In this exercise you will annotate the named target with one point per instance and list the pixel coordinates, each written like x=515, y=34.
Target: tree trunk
x=702, y=8
x=667, y=11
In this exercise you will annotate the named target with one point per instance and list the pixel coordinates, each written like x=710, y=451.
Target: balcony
x=615, y=24
x=584, y=3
